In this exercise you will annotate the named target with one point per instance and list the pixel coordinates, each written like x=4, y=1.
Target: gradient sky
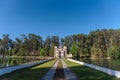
x=57, y=17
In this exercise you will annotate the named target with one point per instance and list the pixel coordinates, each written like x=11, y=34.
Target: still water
x=7, y=62
x=108, y=63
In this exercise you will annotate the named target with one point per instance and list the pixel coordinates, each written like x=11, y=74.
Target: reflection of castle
x=60, y=52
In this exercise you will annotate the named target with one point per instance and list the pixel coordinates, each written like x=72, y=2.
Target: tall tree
x=74, y=50
x=47, y=46
x=5, y=43
x=54, y=42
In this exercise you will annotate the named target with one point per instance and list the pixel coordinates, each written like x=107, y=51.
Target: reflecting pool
x=108, y=63
x=7, y=61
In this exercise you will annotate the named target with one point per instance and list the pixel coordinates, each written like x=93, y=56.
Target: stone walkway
x=68, y=74
x=51, y=72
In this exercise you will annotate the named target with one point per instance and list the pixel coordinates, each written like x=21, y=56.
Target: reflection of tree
x=1, y=62
x=6, y=62
x=105, y=63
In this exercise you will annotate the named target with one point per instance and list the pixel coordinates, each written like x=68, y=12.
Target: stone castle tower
x=60, y=52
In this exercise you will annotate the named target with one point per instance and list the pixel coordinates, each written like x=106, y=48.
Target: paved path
x=68, y=74
x=59, y=73
x=51, y=72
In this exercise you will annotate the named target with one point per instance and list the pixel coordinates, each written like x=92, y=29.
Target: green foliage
x=47, y=46
x=74, y=50
x=42, y=52
x=85, y=51
x=97, y=43
x=114, y=52
x=51, y=52
x=24, y=51
x=14, y=51
x=55, y=41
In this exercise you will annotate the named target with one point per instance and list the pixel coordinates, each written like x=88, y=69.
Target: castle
x=60, y=52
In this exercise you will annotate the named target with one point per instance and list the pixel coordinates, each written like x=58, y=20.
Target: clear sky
x=57, y=17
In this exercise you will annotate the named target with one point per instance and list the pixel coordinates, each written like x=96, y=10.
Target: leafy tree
x=42, y=52
x=114, y=52
x=18, y=44
x=62, y=41
x=47, y=46
x=5, y=44
x=68, y=42
x=85, y=51
x=35, y=42
x=98, y=43
x=54, y=42
x=74, y=50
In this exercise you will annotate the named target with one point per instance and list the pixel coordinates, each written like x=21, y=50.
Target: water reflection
x=7, y=62
x=109, y=63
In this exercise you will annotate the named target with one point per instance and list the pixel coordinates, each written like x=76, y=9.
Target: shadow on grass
x=86, y=73
x=33, y=73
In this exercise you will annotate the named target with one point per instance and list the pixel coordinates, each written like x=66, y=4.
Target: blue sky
x=57, y=17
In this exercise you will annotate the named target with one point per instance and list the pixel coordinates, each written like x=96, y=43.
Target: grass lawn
x=32, y=73
x=85, y=73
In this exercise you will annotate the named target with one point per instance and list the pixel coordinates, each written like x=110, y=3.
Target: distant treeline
x=99, y=43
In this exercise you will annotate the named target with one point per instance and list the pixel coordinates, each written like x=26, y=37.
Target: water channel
x=7, y=61
x=108, y=63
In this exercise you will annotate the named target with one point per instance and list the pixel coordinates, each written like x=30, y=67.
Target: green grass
x=32, y=73
x=85, y=73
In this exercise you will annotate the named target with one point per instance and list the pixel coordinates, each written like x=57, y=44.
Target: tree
x=54, y=42
x=62, y=41
x=85, y=52
x=47, y=46
x=98, y=43
x=35, y=43
x=18, y=44
x=74, y=50
x=4, y=42
x=42, y=52
x=68, y=42
x=114, y=52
